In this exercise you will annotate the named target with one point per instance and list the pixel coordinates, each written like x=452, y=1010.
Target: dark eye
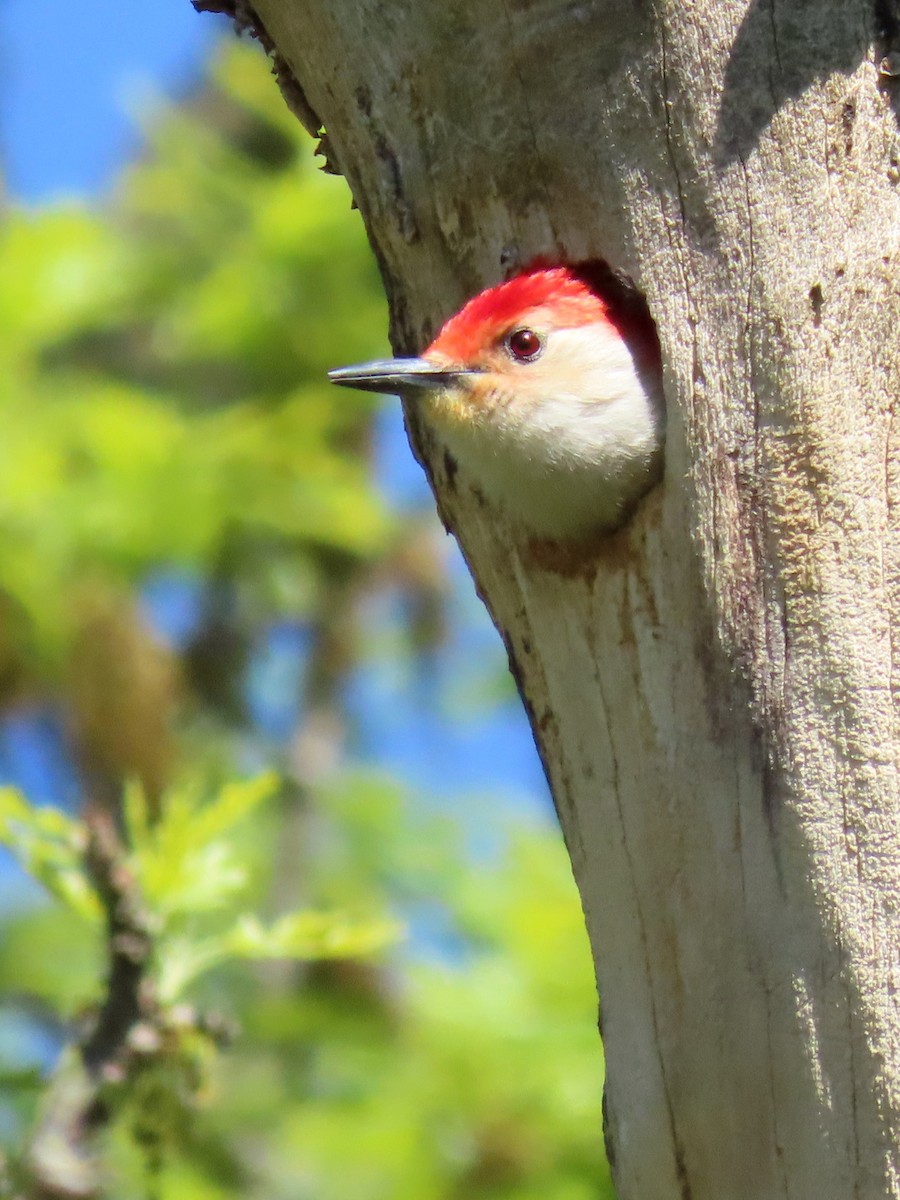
x=524, y=345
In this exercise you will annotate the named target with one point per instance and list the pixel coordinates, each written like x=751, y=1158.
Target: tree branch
x=61, y=1163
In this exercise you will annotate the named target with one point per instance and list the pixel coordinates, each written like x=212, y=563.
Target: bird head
x=534, y=337
x=536, y=381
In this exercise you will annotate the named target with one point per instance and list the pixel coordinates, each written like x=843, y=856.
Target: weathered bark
x=712, y=690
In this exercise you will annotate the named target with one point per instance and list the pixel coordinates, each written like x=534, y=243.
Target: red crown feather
x=496, y=310
x=582, y=295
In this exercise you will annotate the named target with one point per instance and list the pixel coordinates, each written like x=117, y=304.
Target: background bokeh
x=214, y=567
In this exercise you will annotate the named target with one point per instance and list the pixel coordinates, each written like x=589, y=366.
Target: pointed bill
x=396, y=375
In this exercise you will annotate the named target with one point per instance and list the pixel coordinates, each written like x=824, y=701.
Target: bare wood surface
x=712, y=689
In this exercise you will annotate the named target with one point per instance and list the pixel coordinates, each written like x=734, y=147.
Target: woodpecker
x=547, y=391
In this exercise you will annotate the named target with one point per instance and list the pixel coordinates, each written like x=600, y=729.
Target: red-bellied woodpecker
x=547, y=391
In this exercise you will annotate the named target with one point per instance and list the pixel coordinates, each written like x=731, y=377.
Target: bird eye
x=524, y=345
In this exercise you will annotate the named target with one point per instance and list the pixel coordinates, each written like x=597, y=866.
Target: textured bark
x=712, y=689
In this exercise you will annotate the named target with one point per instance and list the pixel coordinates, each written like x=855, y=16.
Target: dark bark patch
x=451, y=470
x=684, y=1183
x=609, y=1123
x=541, y=726
x=817, y=300
x=389, y=169
x=364, y=101
x=404, y=217
x=770, y=793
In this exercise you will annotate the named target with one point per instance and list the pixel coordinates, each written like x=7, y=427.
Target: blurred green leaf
x=188, y=862
x=50, y=846
x=310, y=935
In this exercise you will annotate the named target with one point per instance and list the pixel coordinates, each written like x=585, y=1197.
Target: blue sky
x=74, y=77
x=75, y=80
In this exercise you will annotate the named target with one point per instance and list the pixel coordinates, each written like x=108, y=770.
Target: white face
x=564, y=437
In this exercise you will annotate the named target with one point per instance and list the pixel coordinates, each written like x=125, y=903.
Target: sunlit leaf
x=311, y=935
x=51, y=846
x=187, y=862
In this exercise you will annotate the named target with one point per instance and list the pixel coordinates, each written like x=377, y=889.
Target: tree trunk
x=712, y=691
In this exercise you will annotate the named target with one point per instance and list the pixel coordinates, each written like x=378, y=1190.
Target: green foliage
x=165, y=373
x=190, y=873
x=50, y=846
x=191, y=870
x=164, y=403
x=470, y=1068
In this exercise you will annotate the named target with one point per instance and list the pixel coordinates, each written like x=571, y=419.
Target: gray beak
x=396, y=375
